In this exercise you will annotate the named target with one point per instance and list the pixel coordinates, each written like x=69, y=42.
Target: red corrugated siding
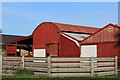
x=105, y=35
x=68, y=48
x=46, y=33
x=108, y=49
x=11, y=50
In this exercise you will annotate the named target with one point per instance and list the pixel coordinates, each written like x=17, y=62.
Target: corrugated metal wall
x=52, y=50
x=68, y=48
x=106, y=35
x=108, y=49
x=107, y=41
x=11, y=50
x=45, y=34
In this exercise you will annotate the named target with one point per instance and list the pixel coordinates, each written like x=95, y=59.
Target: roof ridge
x=117, y=26
x=72, y=28
x=73, y=25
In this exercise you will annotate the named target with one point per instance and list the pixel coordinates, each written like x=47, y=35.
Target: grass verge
x=28, y=75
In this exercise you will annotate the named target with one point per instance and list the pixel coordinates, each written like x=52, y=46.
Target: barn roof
x=67, y=27
x=20, y=39
x=75, y=28
x=0, y=30
x=71, y=28
x=7, y=38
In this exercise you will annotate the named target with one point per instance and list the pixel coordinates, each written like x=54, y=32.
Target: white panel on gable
x=77, y=36
x=88, y=51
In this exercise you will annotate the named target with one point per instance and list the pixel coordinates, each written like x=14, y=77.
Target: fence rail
x=64, y=67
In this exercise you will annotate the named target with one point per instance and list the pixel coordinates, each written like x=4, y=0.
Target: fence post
x=0, y=66
x=92, y=66
x=23, y=62
x=49, y=66
x=116, y=65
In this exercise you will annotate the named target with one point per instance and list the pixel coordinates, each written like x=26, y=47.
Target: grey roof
x=7, y=38
x=0, y=30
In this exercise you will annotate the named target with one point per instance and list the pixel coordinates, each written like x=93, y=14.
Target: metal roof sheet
x=78, y=36
x=19, y=39
x=76, y=28
x=7, y=38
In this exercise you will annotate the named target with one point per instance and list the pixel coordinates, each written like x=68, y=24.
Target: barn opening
x=20, y=47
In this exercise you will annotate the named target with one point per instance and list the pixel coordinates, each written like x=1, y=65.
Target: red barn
x=51, y=39
x=103, y=43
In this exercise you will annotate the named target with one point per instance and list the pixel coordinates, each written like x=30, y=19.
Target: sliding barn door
x=52, y=49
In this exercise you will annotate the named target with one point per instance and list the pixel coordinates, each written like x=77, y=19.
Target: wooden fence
x=62, y=67
x=119, y=64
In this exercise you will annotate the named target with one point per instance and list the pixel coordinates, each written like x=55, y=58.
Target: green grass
x=42, y=77
x=109, y=76
x=23, y=73
x=28, y=75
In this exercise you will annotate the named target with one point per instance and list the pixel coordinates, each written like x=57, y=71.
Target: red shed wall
x=45, y=33
x=68, y=48
x=105, y=35
x=11, y=50
x=110, y=49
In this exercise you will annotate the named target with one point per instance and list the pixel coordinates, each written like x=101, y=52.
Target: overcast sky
x=21, y=18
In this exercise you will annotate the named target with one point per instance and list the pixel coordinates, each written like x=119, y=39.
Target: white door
x=88, y=51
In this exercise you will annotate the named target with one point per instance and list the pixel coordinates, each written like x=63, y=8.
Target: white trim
x=76, y=42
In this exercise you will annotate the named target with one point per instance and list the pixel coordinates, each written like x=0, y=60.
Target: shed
x=103, y=43
x=51, y=39
x=7, y=38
